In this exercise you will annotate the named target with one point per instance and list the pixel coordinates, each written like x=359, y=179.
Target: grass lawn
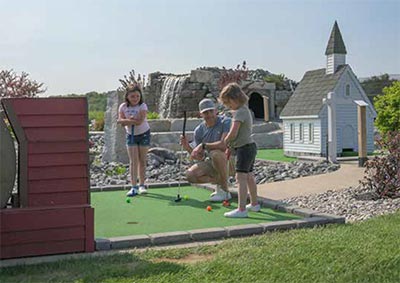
x=157, y=212
x=363, y=252
x=274, y=155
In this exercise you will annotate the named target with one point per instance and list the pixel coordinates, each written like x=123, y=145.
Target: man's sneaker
x=255, y=208
x=218, y=190
x=142, y=190
x=220, y=196
x=132, y=192
x=236, y=214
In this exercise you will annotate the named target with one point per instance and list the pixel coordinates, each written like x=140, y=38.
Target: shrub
x=99, y=125
x=382, y=173
x=152, y=115
x=98, y=118
x=116, y=171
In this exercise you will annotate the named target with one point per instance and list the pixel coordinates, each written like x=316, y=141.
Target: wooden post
x=362, y=132
x=266, y=108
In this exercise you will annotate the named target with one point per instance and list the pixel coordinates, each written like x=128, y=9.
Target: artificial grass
x=362, y=252
x=158, y=212
x=274, y=155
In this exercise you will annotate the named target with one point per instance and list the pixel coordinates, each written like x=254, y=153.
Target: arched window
x=347, y=90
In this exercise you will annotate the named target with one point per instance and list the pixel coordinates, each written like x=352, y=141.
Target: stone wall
x=170, y=94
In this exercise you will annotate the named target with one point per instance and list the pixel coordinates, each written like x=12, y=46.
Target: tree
x=374, y=85
x=388, y=109
x=15, y=85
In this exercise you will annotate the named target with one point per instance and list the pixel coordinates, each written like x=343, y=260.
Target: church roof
x=307, y=98
x=335, y=43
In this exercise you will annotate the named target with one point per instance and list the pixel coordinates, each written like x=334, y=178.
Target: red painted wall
x=56, y=216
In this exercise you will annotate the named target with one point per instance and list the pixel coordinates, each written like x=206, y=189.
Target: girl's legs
x=133, y=153
x=252, y=186
x=142, y=156
x=242, y=180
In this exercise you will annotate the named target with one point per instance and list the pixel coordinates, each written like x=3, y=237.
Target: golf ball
x=209, y=208
x=128, y=200
x=186, y=197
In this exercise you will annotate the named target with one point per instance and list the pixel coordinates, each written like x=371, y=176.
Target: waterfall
x=171, y=89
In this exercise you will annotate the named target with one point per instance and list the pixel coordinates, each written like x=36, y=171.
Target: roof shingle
x=307, y=98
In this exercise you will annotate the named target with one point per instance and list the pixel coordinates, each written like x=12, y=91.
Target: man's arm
x=216, y=145
x=185, y=144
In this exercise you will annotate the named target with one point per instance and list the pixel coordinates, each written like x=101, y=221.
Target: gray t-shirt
x=205, y=134
x=243, y=137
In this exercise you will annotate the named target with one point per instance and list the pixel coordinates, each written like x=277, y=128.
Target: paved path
x=348, y=175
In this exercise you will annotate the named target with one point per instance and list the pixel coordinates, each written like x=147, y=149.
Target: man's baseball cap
x=206, y=104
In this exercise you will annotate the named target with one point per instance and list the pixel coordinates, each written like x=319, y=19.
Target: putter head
x=178, y=198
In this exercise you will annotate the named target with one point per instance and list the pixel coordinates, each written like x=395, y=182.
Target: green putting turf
x=158, y=212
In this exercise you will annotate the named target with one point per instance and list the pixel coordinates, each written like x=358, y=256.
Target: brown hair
x=234, y=92
x=131, y=89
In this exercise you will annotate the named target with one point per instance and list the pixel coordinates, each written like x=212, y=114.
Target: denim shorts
x=245, y=157
x=138, y=140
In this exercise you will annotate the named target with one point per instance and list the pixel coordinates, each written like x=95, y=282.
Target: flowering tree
x=233, y=76
x=15, y=85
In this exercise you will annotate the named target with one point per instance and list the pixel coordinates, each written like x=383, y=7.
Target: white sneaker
x=220, y=196
x=236, y=214
x=142, y=190
x=255, y=208
x=218, y=190
x=132, y=192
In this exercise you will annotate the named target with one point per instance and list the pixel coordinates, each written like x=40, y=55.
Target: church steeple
x=335, y=50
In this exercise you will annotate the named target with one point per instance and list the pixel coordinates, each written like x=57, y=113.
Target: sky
x=78, y=46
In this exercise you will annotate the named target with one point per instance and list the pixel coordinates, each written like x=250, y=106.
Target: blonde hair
x=233, y=91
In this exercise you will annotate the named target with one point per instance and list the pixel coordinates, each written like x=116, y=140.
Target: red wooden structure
x=53, y=179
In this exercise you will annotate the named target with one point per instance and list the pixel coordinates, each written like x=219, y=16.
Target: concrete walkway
x=348, y=175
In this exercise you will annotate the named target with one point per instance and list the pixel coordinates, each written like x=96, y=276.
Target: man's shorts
x=245, y=158
x=138, y=140
x=208, y=168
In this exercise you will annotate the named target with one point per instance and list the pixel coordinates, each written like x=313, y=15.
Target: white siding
x=333, y=61
x=313, y=147
x=346, y=111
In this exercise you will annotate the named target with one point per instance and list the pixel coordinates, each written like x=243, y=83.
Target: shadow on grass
x=98, y=269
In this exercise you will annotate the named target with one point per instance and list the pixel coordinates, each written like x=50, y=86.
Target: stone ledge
x=278, y=225
x=102, y=244
x=244, y=230
x=305, y=212
x=311, y=222
x=130, y=241
x=208, y=234
x=287, y=208
x=269, y=203
x=331, y=217
x=170, y=237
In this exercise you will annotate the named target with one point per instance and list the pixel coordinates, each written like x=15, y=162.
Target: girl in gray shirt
x=239, y=138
